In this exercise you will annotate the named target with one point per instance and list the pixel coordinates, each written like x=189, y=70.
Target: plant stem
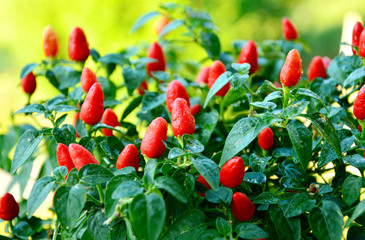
x=101, y=194
x=55, y=232
x=94, y=200
x=286, y=96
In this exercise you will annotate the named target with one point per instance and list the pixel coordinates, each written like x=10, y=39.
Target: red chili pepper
x=175, y=90
x=81, y=156
x=29, y=83
x=78, y=47
x=203, y=76
x=161, y=24
x=9, y=208
x=215, y=71
x=152, y=143
x=50, y=42
x=362, y=44
x=249, y=55
x=359, y=105
x=202, y=180
x=142, y=88
x=356, y=32
x=182, y=121
x=110, y=119
x=266, y=138
x=155, y=52
x=290, y=32
x=93, y=107
x=242, y=207
x=292, y=70
x=195, y=109
x=88, y=78
x=232, y=172
x=63, y=157
x=317, y=69
x=129, y=157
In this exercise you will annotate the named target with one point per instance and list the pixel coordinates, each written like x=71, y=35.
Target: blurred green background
x=107, y=24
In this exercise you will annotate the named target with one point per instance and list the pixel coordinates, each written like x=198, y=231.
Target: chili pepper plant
x=148, y=143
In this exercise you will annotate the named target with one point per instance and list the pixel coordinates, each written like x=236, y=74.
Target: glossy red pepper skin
x=63, y=157
x=129, y=157
x=182, y=121
x=362, y=44
x=81, y=156
x=215, y=71
x=142, y=88
x=195, y=109
x=232, y=172
x=249, y=55
x=9, y=208
x=292, y=70
x=93, y=107
x=88, y=78
x=317, y=69
x=110, y=119
x=356, y=32
x=175, y=90
x=266, y=138
x=152, y=143
x=202, y=180
x=78, y=47
x=242, y=207
x=289, y=30
x=50, y=42
x=203, y=76
x=359, y=105
x=155, y=52
x=29, y=83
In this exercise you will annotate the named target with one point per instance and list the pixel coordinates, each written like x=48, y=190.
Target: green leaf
x=273, y=96
x=147, y=215
x=127, y=189
x=354, y=77
x=64, y=108
x=39, y=193
x=186, y=226
x=266, y=198
x=93, y=174
x=255, y=178
x=300, y=204
x=356, y=160
x=325, y=127
x=243, y=133
x=27, y=69
x=308, y=93
x=177, y=152
x=95, y=225
x=223, y=226
x=171, y=26
x=133, y=78
x=250, y=231
x=341, y=66
x=359, y=210
x=61, y=119
x=290, y=169
x=286, y=228
x=110, y=203
x=326, y=221
x=257, y=163
x=205, y=124
x=152, y=100
x=221, y=195
x=172, y=187
x=267, y=105
x=60, y=173
x=210, y=42
x=192, y=144
x=351, y=189
x=26, y=146
x=149, y=172
x=208, y=169
x=132, y=106
x=294, y=110
x=112, y=147
x=66, y=76
x=65, y=135
x=143, y=19
x=113, y=58
x=33, y=108
x=241, y=67
x=222, y=80
x=68, y=204
x=161, y=75
x=238, y=81
x=81, y=128
x=301, y=139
